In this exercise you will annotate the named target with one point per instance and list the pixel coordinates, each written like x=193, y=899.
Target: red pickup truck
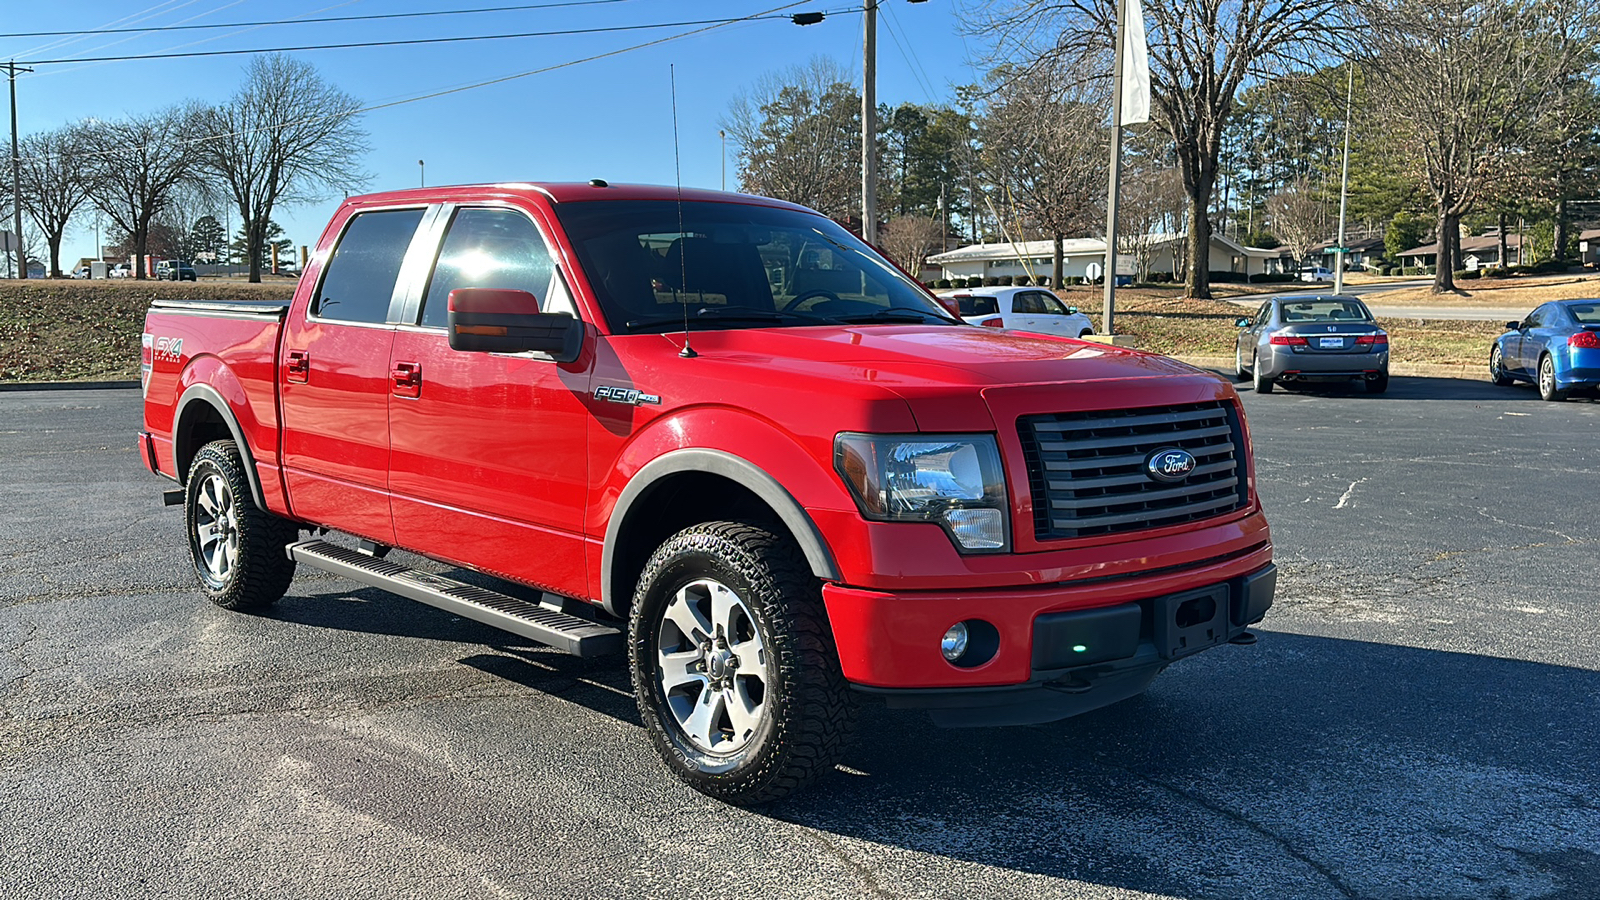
x=721, y=435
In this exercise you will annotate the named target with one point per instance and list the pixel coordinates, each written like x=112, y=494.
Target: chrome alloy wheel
x=216, y=524
x=1547, y=377
x=712, y=667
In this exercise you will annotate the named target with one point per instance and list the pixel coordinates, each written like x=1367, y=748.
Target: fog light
x=954, y=642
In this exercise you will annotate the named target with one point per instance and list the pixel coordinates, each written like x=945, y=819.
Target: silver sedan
x=1312, y=338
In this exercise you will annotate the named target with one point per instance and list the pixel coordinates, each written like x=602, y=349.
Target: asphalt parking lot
x=1418, y=720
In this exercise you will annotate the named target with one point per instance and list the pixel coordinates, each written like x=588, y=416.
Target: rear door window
x=360, y=276
x=977, y=306
x=1049, y=304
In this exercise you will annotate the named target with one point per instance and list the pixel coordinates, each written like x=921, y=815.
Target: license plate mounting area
x=1192, y=621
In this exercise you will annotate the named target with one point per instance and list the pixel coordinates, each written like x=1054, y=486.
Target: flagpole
x=1115, y=171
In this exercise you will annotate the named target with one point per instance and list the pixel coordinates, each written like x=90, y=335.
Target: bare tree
x=1463, y=84
x=137, y=165
x=1201, y=53
x=910, y=239
x=1151, y=211
x=287, y=136
x=1044, y=148
x=799, y=137
x=1298, y=219
x=55, y=178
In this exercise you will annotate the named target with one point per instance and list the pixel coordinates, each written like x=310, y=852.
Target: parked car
x=1312, y=339
x=1557, y=347
x=121, y=270
x=175, y=270
x=1019, y=309
x=80, y=272
x=1316, y=273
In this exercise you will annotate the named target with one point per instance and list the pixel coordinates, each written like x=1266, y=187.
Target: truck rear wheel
x=733, y=664
x=238, y=550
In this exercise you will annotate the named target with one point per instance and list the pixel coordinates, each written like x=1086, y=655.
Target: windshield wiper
x=729, y=313
x=897, y=314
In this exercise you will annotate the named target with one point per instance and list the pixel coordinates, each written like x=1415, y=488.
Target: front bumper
x=1061, y=651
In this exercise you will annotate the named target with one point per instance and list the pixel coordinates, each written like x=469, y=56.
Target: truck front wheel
x=733, y=664
x=238, y=550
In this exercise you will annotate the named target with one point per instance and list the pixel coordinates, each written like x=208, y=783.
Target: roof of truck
x=572, y=192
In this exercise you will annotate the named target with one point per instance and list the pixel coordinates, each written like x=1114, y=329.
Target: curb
x=66, y=385
x=1467, y=371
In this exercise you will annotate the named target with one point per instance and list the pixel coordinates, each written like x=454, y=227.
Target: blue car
x=1556, y=347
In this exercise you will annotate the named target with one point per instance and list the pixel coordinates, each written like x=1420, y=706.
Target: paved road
x=1417, y=721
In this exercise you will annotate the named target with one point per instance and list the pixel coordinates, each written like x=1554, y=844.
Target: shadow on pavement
x=1402, y=387
x=1316, y=767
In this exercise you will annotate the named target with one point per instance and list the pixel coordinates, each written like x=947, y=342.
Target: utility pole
x=869, y=127
x=1344, y=181
x=723, y=135
x=422, y=174
x=20, y=254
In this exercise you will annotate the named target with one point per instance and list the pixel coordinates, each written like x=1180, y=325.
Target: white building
x=1035, y=259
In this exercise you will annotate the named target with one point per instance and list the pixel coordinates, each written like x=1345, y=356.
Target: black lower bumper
x=1095, y=657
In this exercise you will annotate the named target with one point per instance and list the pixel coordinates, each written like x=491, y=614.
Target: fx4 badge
x=629, y=396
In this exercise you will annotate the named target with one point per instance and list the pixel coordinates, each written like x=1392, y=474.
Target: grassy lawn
x=89, y=330
x=58, y=330
x=1520, y=292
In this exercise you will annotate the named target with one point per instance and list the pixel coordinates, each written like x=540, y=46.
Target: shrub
x=1385, y=270
x=1219, y=277
x=990, y=281
x=943, y=283
x=1074, y=279
x=1468, y=274
x=1271, y=278
x=1007, y=280
x=974, y=281
x=1161, y=278
x=1043, y=281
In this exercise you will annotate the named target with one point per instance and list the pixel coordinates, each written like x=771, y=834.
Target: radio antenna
x=683, y=244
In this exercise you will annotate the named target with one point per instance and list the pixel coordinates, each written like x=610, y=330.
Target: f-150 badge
x=629, y=396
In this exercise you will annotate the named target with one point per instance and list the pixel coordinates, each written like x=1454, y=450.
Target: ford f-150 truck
x=720, y=435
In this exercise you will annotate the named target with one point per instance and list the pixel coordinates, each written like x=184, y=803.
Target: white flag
x=1135, y=67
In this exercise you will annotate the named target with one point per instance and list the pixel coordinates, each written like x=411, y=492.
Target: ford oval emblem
x=1169, y=464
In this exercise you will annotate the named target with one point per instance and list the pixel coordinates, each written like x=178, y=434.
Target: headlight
x=952, y=480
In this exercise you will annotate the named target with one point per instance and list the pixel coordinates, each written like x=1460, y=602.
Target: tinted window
x=1539, y=318
x=1585, y=313
x=732, y=265
x=1026, y=302
x=1049, y=304
x=360, y=277
x=489, y=248
x=977, y=306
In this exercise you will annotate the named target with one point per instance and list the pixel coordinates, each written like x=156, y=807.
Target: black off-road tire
x=808, y=712
x=217, y=498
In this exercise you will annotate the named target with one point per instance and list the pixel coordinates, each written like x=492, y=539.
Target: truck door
x=489, y=452
x=334, y=375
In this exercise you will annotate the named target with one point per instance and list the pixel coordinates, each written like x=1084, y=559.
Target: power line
x=402, y=43
x=375, y=17
x=765, y=15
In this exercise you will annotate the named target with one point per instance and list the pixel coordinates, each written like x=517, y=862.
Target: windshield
x=1325, y=311
x=731, y=265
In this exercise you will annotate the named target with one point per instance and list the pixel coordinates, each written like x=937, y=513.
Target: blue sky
x=610, y=118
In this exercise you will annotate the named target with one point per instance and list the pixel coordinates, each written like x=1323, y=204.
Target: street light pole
x=869, y=127
x=724, y=136
x=422, y=174
x=1344, y=181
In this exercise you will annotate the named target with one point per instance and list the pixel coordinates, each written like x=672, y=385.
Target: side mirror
x=1241, y=322
x=492, y=320
x=1072, y=310
x=1513, y=326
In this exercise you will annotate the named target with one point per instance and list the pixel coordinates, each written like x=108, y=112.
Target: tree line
x=1462, y=113
x=285, y=136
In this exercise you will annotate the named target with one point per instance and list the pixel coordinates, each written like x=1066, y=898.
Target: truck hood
x=952, y=376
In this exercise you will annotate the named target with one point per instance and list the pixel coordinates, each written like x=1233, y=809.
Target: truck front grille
x=1087, y=469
